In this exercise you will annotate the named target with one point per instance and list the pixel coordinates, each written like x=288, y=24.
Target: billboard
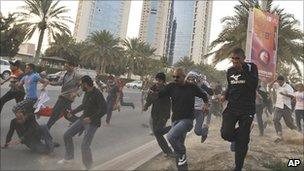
x=262, y=42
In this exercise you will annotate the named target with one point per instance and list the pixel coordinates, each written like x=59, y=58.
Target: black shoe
x=182, y=162
x=56, y=144
x=232, y=146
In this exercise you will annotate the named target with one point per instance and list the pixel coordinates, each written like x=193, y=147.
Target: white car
x=5, y=70
x=134, y=84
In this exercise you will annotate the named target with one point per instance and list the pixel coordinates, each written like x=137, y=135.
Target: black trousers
x=239, y=135
x=10, y=95
x=299, y=117
x=61, y=105
x=159, y=130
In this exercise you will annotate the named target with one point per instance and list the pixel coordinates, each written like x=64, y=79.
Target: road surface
x=125, y=133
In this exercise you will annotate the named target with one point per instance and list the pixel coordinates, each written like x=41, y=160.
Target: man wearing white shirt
x=283, y=104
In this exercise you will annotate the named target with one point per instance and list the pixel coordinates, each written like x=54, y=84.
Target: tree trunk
x=40, y=40
x=129, y=74
x=102, y=67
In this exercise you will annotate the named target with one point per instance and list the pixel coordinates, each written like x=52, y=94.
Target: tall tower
x=193, y=20
x=155, y=24
x=97, y=15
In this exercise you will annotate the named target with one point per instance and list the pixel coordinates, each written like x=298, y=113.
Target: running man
x=70, y=83
x=113, y=93
x=299, y=108
x=182, y=95
x=242, y=81
x=160, y=113
x=284, y=94
x=30, y=82
x=16, y=92
x=199, y=129
x=94, y=107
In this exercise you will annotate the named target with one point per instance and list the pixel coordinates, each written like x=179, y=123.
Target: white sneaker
x=64, y=161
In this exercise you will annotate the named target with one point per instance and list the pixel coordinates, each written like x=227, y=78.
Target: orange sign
x=262, y=42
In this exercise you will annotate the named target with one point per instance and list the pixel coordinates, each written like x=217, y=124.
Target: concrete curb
x=132, y=159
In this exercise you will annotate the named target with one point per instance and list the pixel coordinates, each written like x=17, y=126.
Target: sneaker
x=64, y=161
x=182, y=160
x=232, y=146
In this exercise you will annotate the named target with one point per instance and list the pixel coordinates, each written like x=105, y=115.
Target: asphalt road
x=125, y=133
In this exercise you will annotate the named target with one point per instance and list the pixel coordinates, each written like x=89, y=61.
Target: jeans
x=177, y=136
x=61, y=105
x=299, y=117
x=46, y=145
x=110, y=105
x=199, y=120
x=10, y=95
x=89, y=132
x=259, y=116
x=240, y=135
x=286, y=114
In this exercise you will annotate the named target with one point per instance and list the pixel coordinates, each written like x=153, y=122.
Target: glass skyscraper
x=102, y=15
x=183, y=13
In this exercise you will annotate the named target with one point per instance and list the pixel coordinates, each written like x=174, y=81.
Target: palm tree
x=102, y=49
x=12, y=35
x=137, y=53
x=65, y=46
x=290, y=39
x=185, y=63
x=44, y=15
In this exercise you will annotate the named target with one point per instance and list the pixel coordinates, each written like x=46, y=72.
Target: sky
x=220, y=9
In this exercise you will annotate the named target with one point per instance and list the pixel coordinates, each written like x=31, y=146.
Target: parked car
x=5, y=70
x=134, y=84
x=56, y=76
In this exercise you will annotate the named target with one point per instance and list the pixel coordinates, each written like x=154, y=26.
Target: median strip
x=132, y=159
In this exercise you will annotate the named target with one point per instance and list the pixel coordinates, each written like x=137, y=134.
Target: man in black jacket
x=160, y=113
x=241, y=93
x=182, y=96
x=94, y=107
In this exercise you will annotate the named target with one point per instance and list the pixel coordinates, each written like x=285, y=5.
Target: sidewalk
x=214, y=153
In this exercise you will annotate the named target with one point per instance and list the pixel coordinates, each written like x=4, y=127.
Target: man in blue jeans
x=70, y=83
x=182, y=96
x=199, y=129
x=94, y=107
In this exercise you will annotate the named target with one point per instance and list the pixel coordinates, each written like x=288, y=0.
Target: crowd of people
x=188, y=98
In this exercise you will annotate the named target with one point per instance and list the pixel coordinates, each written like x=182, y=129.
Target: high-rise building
x=193, y=19
x=155, y=25
x=96, y=15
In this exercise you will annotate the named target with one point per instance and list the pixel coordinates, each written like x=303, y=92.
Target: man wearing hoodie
x=199, y=129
